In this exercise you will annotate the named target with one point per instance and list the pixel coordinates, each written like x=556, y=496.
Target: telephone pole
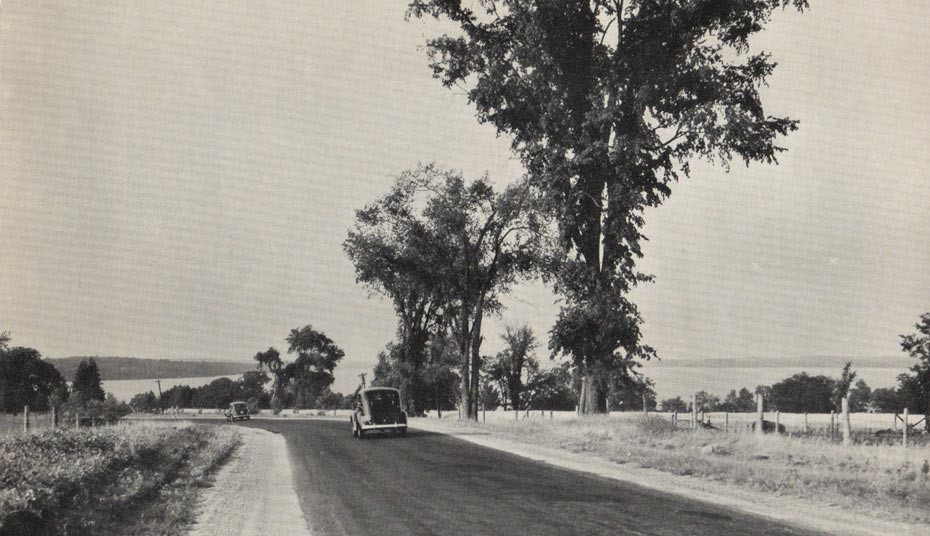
x=362, y=376
x=159, y=395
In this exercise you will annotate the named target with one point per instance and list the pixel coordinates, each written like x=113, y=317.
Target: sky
x=177, y=179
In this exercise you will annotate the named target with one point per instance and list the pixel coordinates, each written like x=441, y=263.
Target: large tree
x=607, y=102
x=317, y=357
x=390, y=251
x=271, y=359
x=26, y=379
x=87, y=381
x=459, y=244
x=802, y=393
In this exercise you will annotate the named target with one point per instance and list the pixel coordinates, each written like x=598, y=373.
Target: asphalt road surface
x=429, y=483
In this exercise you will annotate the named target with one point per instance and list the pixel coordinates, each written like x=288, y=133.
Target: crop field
x=128, y=479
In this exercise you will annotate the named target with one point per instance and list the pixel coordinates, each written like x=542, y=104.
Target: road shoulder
x=253, y=494
x=816, y=517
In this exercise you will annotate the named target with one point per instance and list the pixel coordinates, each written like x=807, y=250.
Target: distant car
x=378, y=409
x=237, y=411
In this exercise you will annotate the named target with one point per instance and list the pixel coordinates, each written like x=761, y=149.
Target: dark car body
x=378, y=409
x=238, y=411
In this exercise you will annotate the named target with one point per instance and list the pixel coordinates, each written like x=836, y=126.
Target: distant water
x=126, y=389
x=672, y=381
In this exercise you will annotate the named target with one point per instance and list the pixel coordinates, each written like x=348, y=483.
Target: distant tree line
x=803, y=393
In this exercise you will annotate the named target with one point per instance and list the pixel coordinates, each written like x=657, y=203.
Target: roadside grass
x=884, y=480
x=126, y=480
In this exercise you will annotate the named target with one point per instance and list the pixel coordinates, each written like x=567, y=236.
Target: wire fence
x=36, y=421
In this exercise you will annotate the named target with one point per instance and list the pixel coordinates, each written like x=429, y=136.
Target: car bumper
x=392, y=426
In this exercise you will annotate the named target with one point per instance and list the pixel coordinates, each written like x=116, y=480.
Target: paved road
x=430, y=483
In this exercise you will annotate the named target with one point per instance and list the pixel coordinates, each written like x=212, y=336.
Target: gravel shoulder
x=817, y=517
x=253, y=494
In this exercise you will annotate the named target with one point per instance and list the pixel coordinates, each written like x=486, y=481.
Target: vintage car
x=237, y=411
x=378, y=409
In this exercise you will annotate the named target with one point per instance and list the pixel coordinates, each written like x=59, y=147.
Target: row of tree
x=606, y=104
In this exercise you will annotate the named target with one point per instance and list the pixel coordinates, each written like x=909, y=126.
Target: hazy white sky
x=176, y=180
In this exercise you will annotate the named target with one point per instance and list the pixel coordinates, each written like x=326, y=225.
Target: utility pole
x=362, y=376
x=159, y=395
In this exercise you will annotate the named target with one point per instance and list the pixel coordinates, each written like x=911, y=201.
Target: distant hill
x=134, y=368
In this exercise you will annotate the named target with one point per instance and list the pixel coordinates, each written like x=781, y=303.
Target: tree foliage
x=550, y=389
x=914, y=388
x=802, y=393
x=87, y=381
x=312, y=370
x=843, y=385
x=271, y=359
x=626, y=393
x=26, y=379
x=742, y=402
x=445, y=250
x=674, y=404
x=510, y=366
x=607, y=103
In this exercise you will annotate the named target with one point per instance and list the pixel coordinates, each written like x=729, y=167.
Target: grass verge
x=880, y=480
x=132, y=479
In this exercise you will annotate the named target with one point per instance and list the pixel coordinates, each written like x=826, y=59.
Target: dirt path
x=253, y=494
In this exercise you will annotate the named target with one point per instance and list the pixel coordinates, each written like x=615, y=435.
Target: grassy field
x=879, y=479
x=129, y=479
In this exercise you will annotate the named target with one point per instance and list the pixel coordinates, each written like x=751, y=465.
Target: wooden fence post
x=896, y=421
x=759, y=415
x=806, y=429
x=693, y=411
x=777, y=421
x=904, y=439
x=846, y=424
x=726, y=422
x=25, y=418
x=832, y=423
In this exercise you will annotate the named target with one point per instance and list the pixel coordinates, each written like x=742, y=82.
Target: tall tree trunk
x=476, y=357
x=592, y=396
x=595, y=395
x=466, y=385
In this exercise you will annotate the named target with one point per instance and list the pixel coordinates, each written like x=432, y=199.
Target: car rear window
x=383, y=401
